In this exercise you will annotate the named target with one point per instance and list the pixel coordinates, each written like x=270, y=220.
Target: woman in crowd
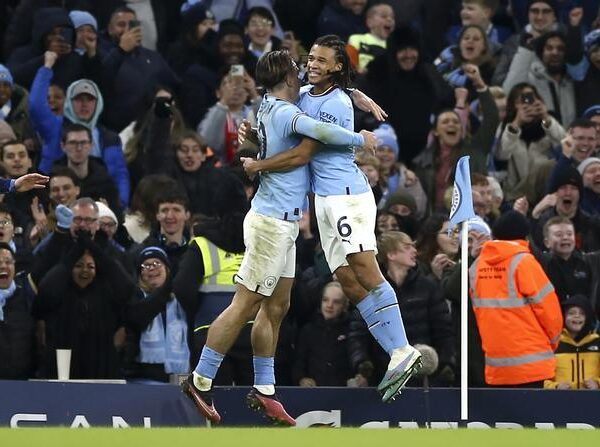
x=437, y=250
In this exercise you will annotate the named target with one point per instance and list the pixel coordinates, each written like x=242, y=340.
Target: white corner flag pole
x=464, y=303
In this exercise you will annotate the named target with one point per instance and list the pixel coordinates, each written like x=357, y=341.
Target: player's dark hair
x=343, y=78
x=273, y=67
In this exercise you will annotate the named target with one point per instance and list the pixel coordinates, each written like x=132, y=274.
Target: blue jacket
x=49, y=126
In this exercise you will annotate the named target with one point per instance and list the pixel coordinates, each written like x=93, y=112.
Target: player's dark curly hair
x=342, y=78
x=273, y=67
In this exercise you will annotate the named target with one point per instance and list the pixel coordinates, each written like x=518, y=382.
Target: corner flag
x=462, y=197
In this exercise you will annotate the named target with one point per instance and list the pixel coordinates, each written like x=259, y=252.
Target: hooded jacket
x=25, y=61
x=578, y=358
x=107, y=144
x=517, y=312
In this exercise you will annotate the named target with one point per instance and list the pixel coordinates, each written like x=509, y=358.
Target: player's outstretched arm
x=30, y=181
x=366, y=104
x=284, y=161
x=326, y=133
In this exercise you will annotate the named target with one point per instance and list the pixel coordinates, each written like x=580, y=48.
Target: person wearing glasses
x=159, y=321
x=94, y=179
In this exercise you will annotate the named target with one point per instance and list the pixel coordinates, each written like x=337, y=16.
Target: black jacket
x=16, y=338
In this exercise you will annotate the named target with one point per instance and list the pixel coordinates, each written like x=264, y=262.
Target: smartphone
x=134, y=24
x=527, y=98
x=236, y=71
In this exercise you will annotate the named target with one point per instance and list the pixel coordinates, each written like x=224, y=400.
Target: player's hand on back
x=371, y=141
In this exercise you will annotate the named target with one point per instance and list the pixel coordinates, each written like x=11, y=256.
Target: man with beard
x=563, y=200
x=542, y=63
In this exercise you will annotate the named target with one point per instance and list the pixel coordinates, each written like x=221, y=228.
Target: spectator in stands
x=172, y=233
x=426, y=314
x=52, y=30
x=480, y=13
x=145, y=139
x=321, y=357
x=159, y=320
x=260, y=29
x=84, y=105
x=369, y=164
x=481, y=185
x=472, y=48
x=386, y=222
x=201, y=81
x=583, y=59
x=402, y=72
x=141, y=216
x=403, y=206
x=18, y=244
x=129, y=69
x=82, y=299
x=578, y=353
x=590, y=172
x=63, y=189
x=435, y=164
x=563, y=200
x=543, y=65
x=437, y=249
x=519, y=338
x=363, y=48
x=13, y=107
x=16, y=324
x=220, y=124
x=86, y=32
x=395, y=176
x=197, y=39
x=108, y=222
x=571, y=271
x=529, y=133
x=343, y=18
x=593, y=114
x=542, y=18
x=94, y=179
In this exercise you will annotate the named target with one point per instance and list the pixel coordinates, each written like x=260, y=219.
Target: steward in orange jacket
x=516, y=308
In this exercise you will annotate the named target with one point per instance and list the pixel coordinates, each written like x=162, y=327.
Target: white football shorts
x=270, y=252
x=346, y=225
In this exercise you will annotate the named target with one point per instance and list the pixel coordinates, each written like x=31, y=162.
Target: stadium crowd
x=133, y=107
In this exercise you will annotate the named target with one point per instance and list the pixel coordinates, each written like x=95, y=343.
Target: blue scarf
x=5, y=294
x=169, y=346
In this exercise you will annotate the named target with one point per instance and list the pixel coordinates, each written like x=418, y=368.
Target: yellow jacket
x=576, y=361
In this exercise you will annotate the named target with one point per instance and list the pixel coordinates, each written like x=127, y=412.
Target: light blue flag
x=462, y=196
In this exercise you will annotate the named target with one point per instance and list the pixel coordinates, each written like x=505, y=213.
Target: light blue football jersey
x=280, y=194
x=333, y=170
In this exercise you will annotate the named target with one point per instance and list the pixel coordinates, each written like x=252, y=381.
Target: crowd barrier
x=40, y=403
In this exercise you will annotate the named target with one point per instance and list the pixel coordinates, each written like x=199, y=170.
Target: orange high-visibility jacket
x=517, y=312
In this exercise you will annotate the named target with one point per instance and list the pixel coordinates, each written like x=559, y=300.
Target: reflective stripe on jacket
x=517, y=312
x=218, y=286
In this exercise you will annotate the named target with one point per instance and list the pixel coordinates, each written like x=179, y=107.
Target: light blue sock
x=209, y=363
x=382, y=314
x=264, y=370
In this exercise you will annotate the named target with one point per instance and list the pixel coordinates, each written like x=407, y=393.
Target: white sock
x=268, y=390
x=201, y=382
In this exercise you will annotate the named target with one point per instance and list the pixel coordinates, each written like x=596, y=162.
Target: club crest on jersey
x=327, y=118
x=270, y=282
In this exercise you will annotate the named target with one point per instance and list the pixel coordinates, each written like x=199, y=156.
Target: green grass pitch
x=315, y=437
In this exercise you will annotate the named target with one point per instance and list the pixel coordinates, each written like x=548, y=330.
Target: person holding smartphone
x=529, y=132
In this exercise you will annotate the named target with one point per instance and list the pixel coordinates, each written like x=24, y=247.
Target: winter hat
x=230, y=26
x=402, y=198
x=550, y=3
x=83, y=86
x=80, y=18
x=6, y=132
x=387, y=137
x=477, y=224
x=585, y=163
x=510, y=226
x=592, y=111
x=567, y=176
x=591, y=40
x=105, y=211
x=5, y=75
x=153, y=252
x=404, y=37
x=195, y=14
